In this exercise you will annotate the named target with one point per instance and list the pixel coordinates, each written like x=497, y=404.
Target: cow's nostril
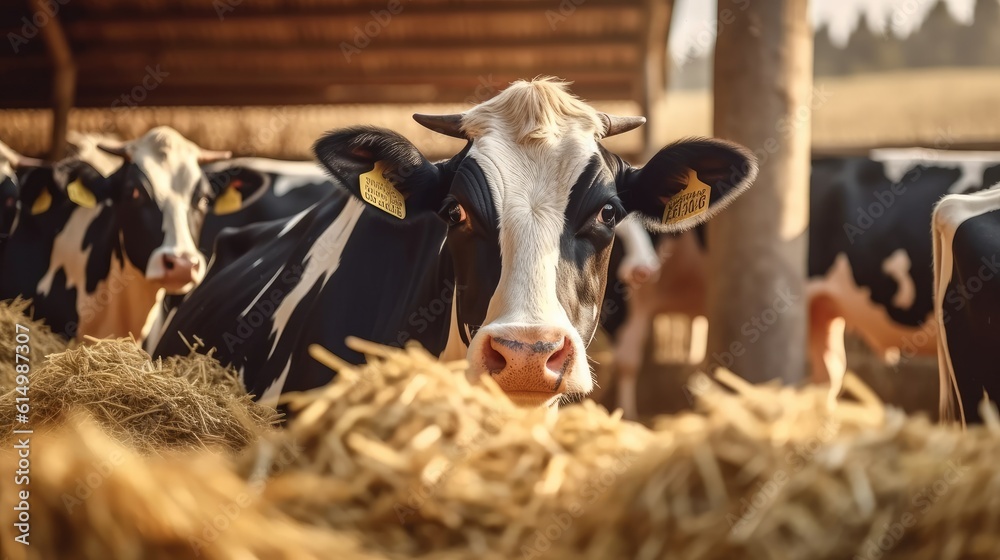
x=168, y=263
x=492, y=359
x=196, y=266
x=557, y=361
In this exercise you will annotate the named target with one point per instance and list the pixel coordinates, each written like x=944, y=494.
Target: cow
x=108, y=244
x=10, y=163
x=869, y=262
x=966, y=240
x=252, y=190
x=498, y=254
x=94, y=252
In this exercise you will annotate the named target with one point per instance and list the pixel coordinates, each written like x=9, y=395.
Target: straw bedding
x=43, y=341
x=181, y=402
x=93, y=498
x=408, y=459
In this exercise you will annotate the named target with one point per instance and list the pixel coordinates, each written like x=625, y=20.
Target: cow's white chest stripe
x=322, y=262
x=67, y=255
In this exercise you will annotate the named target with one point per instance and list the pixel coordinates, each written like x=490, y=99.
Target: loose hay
x=42, y=341
x=93, y=499
x=408, y=458
x=407, y=453
x=181, y=402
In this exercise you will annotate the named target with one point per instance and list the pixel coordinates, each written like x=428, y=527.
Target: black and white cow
x=94, y=252
x=97, y=257
x=10, y=163
x=966, y=237
x=870, y=263
x=252, y=190
x=499, y=254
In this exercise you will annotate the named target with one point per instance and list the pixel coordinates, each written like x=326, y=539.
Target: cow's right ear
x=382, y=167
x=86, y=187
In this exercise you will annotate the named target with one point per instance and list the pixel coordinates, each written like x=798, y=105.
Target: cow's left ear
x=687, y=182
x=86, y=187
x=377, y=164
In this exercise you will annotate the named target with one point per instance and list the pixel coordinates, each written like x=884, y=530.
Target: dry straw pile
x=92, y=498
x=404, y=458
x=43, y=341
x=181, y=402
x=417, y=461
x=411, y=456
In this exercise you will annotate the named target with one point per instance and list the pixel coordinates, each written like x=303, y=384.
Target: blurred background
x=267, y=77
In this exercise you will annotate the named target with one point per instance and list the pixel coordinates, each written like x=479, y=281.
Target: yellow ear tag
x=42, y=203
x=81, y=195
x=380, y=192
x=690, y=202
x=229, y=201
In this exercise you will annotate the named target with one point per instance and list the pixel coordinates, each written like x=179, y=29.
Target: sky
x=693, y=25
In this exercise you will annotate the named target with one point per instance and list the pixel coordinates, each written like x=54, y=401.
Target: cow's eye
x=455, y=214
x=608, y=215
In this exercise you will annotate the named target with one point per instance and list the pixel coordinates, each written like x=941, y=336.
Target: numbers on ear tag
x=81, y=195
x=691, y=202
x=380, y=192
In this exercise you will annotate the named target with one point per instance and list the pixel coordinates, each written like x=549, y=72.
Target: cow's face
x=162, y=197
x=531, y=206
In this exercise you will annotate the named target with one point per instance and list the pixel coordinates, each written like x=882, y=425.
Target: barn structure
x=103, y=56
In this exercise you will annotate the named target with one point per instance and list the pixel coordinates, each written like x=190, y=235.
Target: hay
x=93, y=499
x=182, y=402
x=42, y=341
x=408, y=459
x=768, y=473
x=409, y=455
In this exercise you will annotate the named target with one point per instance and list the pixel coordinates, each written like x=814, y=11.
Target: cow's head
x=531, y=205
x=49, y=193
x=162, y=196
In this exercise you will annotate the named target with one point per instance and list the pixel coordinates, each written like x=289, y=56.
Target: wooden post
x=63, y=78
x=654, y=73
x=757, y=247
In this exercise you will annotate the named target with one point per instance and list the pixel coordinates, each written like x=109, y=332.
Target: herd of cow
x=500, y=254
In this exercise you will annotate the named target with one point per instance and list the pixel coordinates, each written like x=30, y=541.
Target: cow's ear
x=86, y=186
x=232, y=187
x=687, y=182
x=384, y=169
x=39, y=190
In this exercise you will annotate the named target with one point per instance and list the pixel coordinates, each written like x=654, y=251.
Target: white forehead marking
x=532, y=142
x=169, y=161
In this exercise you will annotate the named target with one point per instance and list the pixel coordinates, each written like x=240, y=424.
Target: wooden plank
x=178, y=14
x=209, y=95
x=588, y=21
